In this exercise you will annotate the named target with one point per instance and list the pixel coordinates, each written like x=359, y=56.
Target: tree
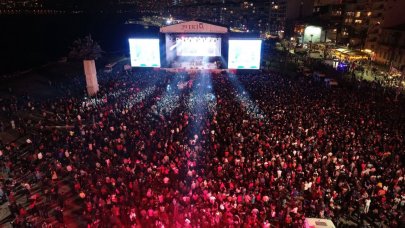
x=85, y=49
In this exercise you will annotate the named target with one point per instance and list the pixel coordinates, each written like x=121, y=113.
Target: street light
x=335, y=63
x=310, y=44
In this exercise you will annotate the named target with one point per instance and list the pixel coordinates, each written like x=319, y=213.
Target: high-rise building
x=330, y=18
x=377, y=9
x=383, y=13
x=283, y=12
x=390, y=48
x=271, y=16
x=356, y=20
x=394, y=13
x=327, y=2
x=386, y=33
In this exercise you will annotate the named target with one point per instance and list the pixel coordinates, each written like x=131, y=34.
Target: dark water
x=30, y=41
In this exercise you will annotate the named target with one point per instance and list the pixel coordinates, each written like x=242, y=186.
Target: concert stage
x=196, y=45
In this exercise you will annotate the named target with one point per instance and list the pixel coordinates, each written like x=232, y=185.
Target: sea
x=29, y=41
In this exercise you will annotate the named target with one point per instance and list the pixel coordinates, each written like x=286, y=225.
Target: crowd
x=160, y=149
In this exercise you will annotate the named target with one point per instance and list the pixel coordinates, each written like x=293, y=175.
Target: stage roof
x=193, y=27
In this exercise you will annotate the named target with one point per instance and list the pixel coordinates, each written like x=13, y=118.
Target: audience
x=161, y=149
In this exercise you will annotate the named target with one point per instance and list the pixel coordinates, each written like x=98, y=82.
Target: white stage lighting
x=197, y=46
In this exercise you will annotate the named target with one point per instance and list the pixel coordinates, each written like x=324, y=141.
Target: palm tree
x=87, y=50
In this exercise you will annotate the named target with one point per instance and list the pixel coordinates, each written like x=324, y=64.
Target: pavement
x=368, y=74
x=41, y=83
x=71, y=210
x=38, y=83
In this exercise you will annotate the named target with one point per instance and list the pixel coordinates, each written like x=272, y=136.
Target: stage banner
x=193, y=27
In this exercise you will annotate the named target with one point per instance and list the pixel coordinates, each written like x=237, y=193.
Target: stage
x=195, y=65
x=196, y=45
x=191, y=70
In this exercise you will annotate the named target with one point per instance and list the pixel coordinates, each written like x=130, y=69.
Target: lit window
x=358, y=21
x=369, y=14
x=358, y=13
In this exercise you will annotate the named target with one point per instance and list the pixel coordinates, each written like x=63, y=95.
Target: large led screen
x=144, y=52
x=244, y=54
x=198, y=46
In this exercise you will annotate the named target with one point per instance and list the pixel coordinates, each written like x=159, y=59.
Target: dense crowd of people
x=161, y=149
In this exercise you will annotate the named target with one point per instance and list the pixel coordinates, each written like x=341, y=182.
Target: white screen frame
x=250, y=47
x=144, y=52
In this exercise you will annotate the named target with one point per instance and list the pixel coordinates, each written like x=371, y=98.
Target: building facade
x=273, y=17
x=283, y=13
x=356, y=21
x=390, y=48
x=377, y=9
x=386, y=34
x=330, y=17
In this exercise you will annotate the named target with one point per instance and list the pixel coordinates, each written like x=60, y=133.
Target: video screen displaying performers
x=244, y=54
x=144, y=52
x=193, y=51
x=198, y=46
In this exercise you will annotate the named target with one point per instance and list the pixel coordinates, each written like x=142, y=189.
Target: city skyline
x=354, y=23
